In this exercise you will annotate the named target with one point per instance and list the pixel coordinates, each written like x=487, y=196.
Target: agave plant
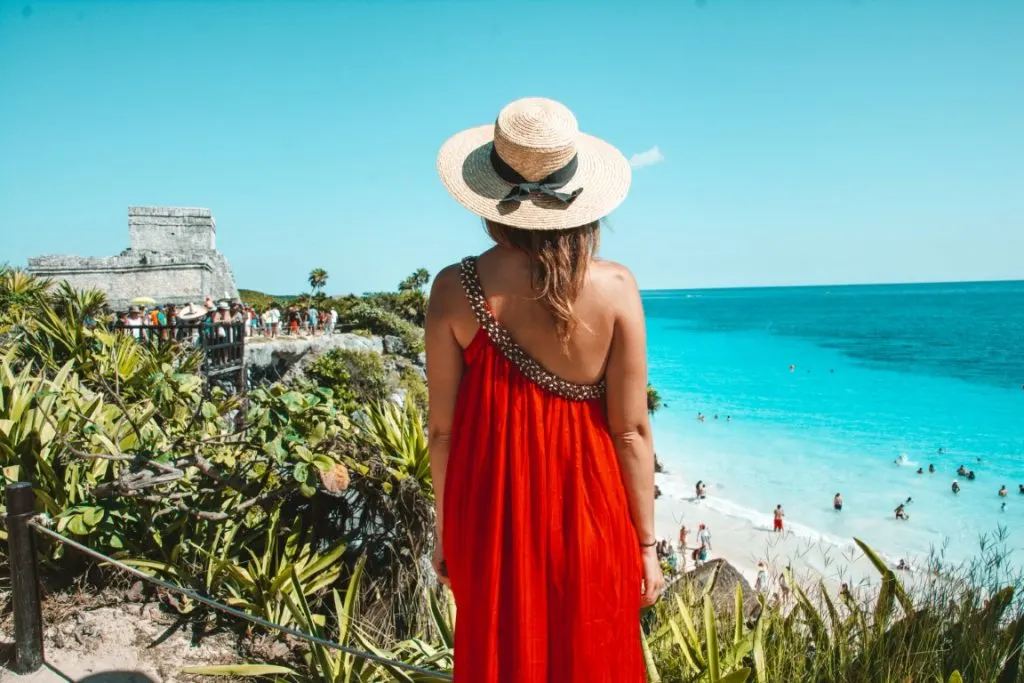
x=398, y=433
x=20, y=293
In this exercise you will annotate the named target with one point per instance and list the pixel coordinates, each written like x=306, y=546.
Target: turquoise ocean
x=879, y=372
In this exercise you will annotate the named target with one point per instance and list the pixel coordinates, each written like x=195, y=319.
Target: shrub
x=356, y=378
x=362, y=315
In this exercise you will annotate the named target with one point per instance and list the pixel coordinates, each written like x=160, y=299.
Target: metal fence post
x=28, y=618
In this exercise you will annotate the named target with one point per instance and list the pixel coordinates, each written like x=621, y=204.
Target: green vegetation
x=965, y=622
x=311, y=505
x=356, y=378
x=261, y=301
x=266, y=503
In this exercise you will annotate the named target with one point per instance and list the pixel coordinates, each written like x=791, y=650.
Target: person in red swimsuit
x=779, y=514
x=540, y=441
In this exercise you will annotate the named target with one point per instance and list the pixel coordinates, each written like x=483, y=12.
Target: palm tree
x=318, y=278
x=416, y=281
x=653, y=400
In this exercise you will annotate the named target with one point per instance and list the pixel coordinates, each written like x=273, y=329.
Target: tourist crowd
x=224, y=317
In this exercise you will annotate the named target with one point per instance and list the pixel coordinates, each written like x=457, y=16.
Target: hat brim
x=603, y=173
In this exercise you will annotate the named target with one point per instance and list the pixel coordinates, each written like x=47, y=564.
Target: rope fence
x=28, y=631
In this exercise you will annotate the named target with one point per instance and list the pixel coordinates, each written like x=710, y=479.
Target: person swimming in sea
x=931, y=469
x=920, y=470
x=956, y=486
x=1002, y=491
x=837, y=502
x=1021, y=487
x=961, y=471
x=970, y=475
x=901, y=460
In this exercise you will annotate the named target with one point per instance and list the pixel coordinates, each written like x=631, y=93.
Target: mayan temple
x=172, y=258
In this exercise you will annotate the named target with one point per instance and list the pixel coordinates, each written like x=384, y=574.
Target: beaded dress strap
x=533, y=370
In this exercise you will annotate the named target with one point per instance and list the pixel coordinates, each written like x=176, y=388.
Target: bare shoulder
x=614, y=280
x=446, y=290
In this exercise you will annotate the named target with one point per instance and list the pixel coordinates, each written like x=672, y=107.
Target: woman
x=540, y=444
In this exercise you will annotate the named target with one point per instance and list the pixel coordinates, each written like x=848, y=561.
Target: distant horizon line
x=728, y=288
x=922, y=283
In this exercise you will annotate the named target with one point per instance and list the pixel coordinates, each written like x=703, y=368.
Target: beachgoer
x=682, y=537
x=779, y=514
x=583, y=320
x=701, y=556
x=1002, y=508
x=704, y=535
x=792, y=367
x=970, y=475
x=961, y=471
x=784, y=583
x=956, y=486
x=844, y=592
x=941, y=450
x=1002, y=491
x=920, y=470
x=672, y=558
x=901, y=512
x=837, y=502
x=1020, y=488
x=761, y=583
x=135, y=321
x=931, y=469
x=903, y=566
x=728, y=418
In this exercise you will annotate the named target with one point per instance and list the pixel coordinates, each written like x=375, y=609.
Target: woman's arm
x=630, y=423
x=444, y=373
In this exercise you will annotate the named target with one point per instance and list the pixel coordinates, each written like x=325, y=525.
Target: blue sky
x=797, y=141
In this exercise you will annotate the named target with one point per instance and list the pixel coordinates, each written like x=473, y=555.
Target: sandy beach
x=744, y=543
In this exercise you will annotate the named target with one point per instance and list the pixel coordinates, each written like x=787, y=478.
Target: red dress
x=543, y=558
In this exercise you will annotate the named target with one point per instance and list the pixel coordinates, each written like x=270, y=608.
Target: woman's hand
x=654, y=582
x=437, y=559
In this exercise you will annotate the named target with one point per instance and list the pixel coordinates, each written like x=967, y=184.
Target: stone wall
x=171, y=259
x=171, y=230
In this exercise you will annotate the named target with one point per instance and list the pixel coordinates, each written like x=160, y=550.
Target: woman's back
x=540, y=445
x=537, y=539
x=507, y=280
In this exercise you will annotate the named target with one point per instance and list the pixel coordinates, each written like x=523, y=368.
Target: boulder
x=723, y=595
x=394, y=345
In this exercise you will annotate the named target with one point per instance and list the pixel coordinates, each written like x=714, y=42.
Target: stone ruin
x=173, y=259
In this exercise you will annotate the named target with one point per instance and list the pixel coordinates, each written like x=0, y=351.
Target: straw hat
x=533, y=169
x=191, y=312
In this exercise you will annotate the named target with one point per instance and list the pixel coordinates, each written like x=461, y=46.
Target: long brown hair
x=559, y=260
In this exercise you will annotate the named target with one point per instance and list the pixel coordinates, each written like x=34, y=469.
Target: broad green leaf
x=711, y=637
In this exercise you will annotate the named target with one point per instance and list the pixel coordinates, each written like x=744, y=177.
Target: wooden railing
x=223, y=345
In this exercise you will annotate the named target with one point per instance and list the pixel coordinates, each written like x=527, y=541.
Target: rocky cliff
x=284, y=358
